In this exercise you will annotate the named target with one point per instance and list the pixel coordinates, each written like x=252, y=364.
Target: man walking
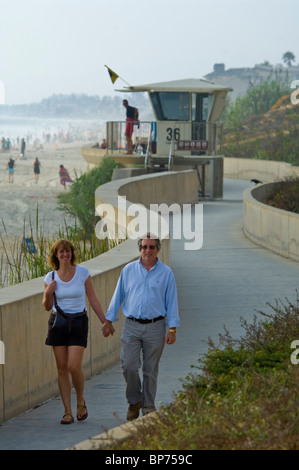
x=148, y=289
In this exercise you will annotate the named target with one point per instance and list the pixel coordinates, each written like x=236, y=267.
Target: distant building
x=242, y=79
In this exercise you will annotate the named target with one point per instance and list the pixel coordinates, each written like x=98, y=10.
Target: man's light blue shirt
x=146, y=294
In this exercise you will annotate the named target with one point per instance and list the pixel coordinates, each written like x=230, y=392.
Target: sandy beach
x=20, y=199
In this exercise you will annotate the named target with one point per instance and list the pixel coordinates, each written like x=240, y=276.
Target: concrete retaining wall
x=29, y=376
x=93, y=156
x=272, y=228
x=262, y=170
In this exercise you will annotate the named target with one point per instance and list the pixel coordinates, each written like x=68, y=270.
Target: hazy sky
x=62, y=46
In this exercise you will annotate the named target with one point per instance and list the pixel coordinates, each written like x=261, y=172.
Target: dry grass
x=19, y=264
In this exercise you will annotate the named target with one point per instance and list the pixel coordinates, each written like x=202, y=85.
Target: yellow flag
x=112, y=74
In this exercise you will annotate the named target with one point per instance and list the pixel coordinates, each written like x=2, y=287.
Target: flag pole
x=124, y=81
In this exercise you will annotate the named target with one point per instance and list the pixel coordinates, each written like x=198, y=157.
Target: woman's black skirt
x=74, y=333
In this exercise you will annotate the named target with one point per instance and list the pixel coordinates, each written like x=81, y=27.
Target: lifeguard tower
x=186, y=133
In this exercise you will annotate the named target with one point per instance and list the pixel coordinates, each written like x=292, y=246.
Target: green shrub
x=258, y=100
x=242, y=394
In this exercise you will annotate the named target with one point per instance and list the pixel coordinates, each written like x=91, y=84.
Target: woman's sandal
x=67, y=419
x=82, y=412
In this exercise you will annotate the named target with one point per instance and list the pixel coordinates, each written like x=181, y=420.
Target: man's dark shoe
x=148, y=410
x=133, y=411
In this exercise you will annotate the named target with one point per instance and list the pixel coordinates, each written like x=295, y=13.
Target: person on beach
x=148, y=289
x=64, y=176
x=131, y=119
x=23, y=147
x=36, y=169
x=66, y=288
x=7, y=144
x=11, y=169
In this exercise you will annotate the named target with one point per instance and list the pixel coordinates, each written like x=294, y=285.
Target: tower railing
x=116, y=138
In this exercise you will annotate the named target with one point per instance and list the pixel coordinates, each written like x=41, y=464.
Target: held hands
x=108, y=329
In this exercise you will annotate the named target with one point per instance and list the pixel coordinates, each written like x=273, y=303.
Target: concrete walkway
x=227, y=278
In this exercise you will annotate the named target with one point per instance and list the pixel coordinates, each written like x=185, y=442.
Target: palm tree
x=288, y=58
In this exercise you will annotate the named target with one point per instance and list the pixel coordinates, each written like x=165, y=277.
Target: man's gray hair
x=152, y=237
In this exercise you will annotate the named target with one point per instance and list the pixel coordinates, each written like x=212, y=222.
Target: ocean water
x=35, y=130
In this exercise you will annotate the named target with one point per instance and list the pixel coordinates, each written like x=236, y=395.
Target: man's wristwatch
x=172, y=330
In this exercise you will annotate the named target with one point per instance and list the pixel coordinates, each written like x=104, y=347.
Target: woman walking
x=65, y=290
x=11, y=170
x=64, y=176
x=36, y=169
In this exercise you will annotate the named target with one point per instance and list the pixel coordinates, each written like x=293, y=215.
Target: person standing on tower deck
x=131, y=118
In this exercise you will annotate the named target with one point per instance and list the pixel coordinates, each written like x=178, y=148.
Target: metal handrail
x=170, y=154
x=116, y=140
x=149, y=141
